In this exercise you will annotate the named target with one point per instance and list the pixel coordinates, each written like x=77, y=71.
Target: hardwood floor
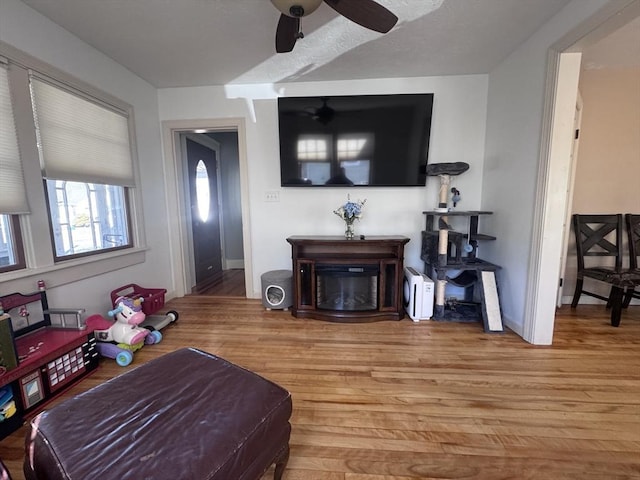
x=230, y=284
x=429, y=400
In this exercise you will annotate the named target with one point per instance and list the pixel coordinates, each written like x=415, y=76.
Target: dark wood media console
x=331, y=274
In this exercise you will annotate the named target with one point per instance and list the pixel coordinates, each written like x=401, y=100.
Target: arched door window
x=203, y=195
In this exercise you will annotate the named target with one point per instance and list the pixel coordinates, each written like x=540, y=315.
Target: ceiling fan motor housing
x=296, y=8
x=296, y=11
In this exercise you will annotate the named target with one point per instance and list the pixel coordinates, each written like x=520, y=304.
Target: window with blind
x=85, y=157
x=68, y=184
x=13, y=200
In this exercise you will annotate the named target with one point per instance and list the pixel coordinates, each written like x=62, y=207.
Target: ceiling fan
x=366, y=13
x=323, y=114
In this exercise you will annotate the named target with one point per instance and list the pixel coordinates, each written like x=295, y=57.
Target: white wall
x=457, y=134
x=517, y=89
x=27, y=30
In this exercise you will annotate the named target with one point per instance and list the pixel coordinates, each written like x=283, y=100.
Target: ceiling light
x=296, y=8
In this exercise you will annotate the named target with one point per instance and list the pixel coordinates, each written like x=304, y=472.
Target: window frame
x=58, y=258
x=18, y=252
x=39, y=255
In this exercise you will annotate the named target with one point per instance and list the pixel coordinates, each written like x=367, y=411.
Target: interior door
x=567, y=218
x=205, y=216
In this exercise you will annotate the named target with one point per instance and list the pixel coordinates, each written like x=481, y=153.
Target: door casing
x=176, y=208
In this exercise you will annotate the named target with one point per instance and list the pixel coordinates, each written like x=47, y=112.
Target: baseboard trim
x=587, y=300
x=233, y=264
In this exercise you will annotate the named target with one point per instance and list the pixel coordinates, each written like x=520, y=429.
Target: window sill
x=72, y=270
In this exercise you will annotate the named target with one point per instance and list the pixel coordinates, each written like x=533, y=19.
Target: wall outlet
x=272, y=196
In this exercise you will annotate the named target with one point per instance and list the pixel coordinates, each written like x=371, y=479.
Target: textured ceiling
x=220, y=42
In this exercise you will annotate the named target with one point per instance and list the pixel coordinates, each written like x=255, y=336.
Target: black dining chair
x=598, y=237
x=633, y=231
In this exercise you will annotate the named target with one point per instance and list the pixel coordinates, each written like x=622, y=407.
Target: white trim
x=610, y=18
x=174, y=189
x=70, y=271
x=553, y=179
x=185, y=227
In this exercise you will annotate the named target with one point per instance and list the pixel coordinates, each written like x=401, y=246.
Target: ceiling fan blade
x=366, y=13
x=287, y=33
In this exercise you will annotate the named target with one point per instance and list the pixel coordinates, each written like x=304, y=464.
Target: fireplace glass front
x=347, y=287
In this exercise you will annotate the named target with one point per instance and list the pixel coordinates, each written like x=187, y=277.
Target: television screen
x=358, y=140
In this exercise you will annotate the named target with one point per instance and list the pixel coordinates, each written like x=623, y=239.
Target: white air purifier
x=418, y=295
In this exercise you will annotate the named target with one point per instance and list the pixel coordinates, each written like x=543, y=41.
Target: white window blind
x=13, y=197
x=80, y=140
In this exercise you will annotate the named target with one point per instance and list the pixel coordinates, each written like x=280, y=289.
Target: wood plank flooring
x=429, y=400
x=230, y=284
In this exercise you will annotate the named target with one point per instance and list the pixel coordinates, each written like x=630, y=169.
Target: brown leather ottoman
x=186, y=415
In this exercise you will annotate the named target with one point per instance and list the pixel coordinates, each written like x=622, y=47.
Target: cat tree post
x=444, y=171
x=443, y=243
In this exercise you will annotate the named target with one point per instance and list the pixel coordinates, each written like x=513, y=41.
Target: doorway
x=227, y=192
x=213, y=213
x=564, y=73
x=607, y=168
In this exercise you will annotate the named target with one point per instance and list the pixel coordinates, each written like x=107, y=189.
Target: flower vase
x=349, y=233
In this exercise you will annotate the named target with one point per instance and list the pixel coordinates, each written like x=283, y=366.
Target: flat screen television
x=355, y=140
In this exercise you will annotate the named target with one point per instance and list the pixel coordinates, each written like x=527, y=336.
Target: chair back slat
x=601, y=236
x=633, y=231
x=598, y=236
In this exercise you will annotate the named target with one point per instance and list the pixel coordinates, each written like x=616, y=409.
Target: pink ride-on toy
x=152, y=301
x=119, y=339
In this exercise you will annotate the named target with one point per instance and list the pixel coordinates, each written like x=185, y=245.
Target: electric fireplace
x=347, y=280
x=347, y=287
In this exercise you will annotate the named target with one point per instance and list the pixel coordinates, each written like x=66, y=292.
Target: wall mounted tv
x=357, y=140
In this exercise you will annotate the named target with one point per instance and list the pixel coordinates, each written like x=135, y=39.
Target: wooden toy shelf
x=42, y=360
